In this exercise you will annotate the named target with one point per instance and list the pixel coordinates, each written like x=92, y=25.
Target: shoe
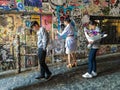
x=74, y=64
x=69, y=66
x=94, y=74
x=104, y=35
x=49, y=77
x=40, y=77
x=87, y=75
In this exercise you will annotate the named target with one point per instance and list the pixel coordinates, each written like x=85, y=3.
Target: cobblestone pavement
x=63, y=79
x=108, y=78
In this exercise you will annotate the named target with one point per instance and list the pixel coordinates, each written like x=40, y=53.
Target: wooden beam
x=104, y=17
x=22, y=12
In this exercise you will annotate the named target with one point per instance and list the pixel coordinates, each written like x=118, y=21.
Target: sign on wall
x=44, y=0
x=33, y=3
x=8, y=5
x=47, y=22
x=4, y=2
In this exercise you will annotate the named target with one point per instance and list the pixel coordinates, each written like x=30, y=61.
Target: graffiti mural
x=8, y=39
x=6, y=58
x=47, y=22
x=77, y=15
x=46, y=7
x=106, y=49
x=79, y=11
x=33, y=3
x=59, y=46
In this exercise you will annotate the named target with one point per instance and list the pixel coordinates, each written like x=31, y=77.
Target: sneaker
x=94, y=74
x=104, y=35
x=49, y=77
x=40, y=77
x=87, y=75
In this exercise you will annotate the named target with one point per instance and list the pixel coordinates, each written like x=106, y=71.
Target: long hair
x=68, y=20
x=93, y=22
x=33, y=23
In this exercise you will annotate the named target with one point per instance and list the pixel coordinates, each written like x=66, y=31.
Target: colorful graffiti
x=8, y=5
x=4, y=2
x=106, y=49
x=62, y=13
x=47, y=22
x=33, y=3
x=21, y=5
x=79, y=11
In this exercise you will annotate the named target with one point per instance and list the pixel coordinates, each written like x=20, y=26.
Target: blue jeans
x=43, y=65
x=92, y=60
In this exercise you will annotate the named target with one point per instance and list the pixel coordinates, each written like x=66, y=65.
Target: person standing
x=70, y=44
x=92, y=72
x=42, y=45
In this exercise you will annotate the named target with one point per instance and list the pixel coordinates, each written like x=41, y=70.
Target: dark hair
x=33, y=23
x=67, y=20
x=64, y=4
x=93, y=22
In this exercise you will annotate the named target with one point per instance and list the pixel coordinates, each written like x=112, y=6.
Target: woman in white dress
x=70, y=44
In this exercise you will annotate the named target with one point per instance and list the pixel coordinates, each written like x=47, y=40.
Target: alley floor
x=108, y=78
x=68, y=79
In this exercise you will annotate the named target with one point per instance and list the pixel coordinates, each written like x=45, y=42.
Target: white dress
x=70, y=43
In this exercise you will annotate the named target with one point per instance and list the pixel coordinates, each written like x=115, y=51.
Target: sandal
x=69, y=66
x=74, y=64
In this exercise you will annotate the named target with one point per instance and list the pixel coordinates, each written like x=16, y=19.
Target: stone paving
x=64, y=79
x=108, y=79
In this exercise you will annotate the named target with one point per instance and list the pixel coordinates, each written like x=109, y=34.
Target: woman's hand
x=56, y=31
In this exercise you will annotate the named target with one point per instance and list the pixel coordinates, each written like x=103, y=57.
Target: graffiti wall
x=79, y=11
x=9, y=27
x=47, y=22
x=21, y=5
x=19, y=24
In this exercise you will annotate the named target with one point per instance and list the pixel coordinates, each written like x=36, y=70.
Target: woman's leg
x=90, y=61
x=69, y=59
x=74, y=62
x=94, y=61
x=69, y=62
